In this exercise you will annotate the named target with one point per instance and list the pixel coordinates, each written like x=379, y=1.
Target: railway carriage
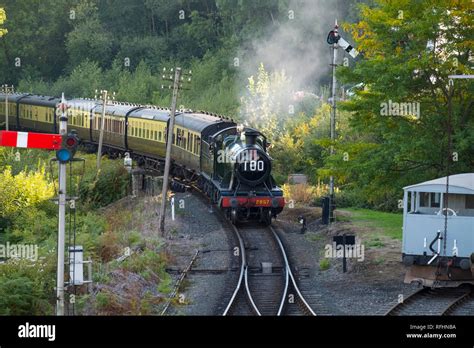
x=228, y=162
x=436, y=259
x=145, y=126
x=30, y=112
x=12, y=109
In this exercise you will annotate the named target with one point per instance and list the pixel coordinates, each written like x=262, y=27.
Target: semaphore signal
x=69, y=144
x=30, y=140
x=336, y=41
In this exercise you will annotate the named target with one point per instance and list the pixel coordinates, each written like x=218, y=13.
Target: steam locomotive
x=230, y=163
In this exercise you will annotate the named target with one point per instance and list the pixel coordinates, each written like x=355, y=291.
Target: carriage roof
x=459, y=183
x=30, y=99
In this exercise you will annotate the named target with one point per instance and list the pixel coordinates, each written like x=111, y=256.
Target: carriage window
x=469, y=201
x=424, y=199
x=435, y=199
x=178, y=137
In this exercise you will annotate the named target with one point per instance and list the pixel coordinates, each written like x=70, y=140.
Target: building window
x=435, y=200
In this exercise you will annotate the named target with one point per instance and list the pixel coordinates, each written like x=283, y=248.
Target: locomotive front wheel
x=266, y=216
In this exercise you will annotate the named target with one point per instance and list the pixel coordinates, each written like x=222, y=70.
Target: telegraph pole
x=62, y=214
x=169, y=142
x=104, y=97
x=7, y=90
x=333, y=121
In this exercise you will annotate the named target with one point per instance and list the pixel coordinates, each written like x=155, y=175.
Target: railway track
x=266, y=284
x=438, y=301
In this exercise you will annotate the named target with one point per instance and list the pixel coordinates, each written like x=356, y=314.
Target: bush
x=26, y=288
x=108, y=246
x=351, y=198
x=305, y=193
x=107, y=186
x=22, y=190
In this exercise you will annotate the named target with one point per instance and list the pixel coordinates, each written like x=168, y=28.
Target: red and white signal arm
x=30, y=140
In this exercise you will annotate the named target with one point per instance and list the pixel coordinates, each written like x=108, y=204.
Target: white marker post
x=172, y=208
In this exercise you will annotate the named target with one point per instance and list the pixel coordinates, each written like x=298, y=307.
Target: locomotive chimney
x=250, y=137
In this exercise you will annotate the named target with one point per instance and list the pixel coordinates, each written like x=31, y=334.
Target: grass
x=324, y=264
x=386, y=224
x=313, y=237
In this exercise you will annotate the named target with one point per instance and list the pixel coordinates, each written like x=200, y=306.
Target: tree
x=32, y=27
x=89, y=39
x=266, y=104
x=3, y=18
x=408, y=51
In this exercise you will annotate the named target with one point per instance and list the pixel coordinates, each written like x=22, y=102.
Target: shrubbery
x=100, y=189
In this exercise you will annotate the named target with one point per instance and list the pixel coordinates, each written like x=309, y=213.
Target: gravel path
x=198, y=227
x=369, y=287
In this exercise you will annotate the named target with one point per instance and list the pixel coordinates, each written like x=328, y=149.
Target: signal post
x=64, y=155
x=65, y=145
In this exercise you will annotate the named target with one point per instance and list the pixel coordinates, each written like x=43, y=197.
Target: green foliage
x=149, y=260
x=22, y=190
x=98, y=189
x=389, y=152
x=103, y=300
x=84, y=79
x=351, y=198
x=3, y=18
x=324, y=264
x=165, y=286
x=31, y=225
x=88, y=38
x=36, y=36
x=265, y=106
x=26, y=288
x=137, y=87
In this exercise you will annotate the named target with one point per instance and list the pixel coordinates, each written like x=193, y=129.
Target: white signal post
x=62, y=215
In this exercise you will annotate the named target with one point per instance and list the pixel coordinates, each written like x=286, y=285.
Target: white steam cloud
x=296, y=44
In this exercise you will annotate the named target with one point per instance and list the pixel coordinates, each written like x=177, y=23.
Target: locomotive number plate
x=263, y=202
